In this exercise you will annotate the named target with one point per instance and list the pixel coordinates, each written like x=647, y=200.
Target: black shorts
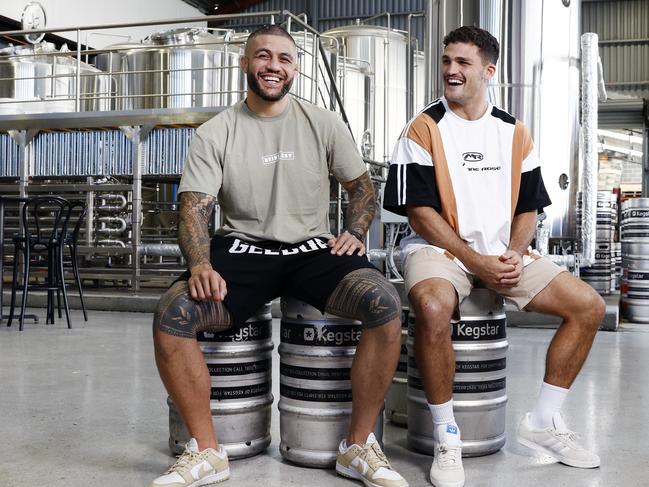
x=258, y=272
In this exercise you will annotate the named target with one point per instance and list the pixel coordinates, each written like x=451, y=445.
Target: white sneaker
x=558, y=442
x=447, y=469
x=194, y=468
x=368, y=464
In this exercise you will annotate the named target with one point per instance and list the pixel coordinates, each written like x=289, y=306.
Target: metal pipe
x=108, y=196
x=162, y=250
x=112, y=219
x=431, y=12
x=589, y=87
x=205, y=18
x=108, y=242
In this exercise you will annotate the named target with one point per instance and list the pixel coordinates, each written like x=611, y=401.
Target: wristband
x=354, y=233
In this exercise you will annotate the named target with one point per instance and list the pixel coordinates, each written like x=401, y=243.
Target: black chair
x=44, y=230
x=70, y=240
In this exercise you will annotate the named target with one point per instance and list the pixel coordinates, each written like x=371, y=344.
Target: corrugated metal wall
x=623, y=29
x=324, y=15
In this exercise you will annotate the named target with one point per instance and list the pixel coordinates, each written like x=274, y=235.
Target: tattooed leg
x=180, y=361
x=179, y=315
x=366, y=295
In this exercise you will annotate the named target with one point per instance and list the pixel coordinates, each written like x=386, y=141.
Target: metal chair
x=70, y=240
x=43, y=221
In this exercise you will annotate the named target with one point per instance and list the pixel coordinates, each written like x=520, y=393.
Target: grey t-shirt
x=271, y=174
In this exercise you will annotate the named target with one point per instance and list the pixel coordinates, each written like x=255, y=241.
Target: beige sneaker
x=194, y=468
x=368, y=464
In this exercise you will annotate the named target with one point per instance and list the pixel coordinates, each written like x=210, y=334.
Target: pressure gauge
x=33, y=18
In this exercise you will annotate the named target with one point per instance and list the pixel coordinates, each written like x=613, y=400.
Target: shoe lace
x=449, y=456
x=374, y=456
x=571, y=437
x=186, y=459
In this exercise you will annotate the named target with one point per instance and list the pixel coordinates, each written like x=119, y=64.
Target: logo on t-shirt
x=279, y=156
x=473, y=158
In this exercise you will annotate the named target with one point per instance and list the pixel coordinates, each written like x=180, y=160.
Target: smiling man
x=267, y=161
x=467, y=176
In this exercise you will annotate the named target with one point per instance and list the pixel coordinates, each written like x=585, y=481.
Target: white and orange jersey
x=478, y=174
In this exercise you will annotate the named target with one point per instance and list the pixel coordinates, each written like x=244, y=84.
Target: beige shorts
x=427, y=263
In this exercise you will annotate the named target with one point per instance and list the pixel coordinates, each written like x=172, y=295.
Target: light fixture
x=634, y=139
x=622, y=150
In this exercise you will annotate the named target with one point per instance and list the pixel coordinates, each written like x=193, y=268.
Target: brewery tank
x=44, y=79
x=178, y=68
x=385, y=52
x=537, y=81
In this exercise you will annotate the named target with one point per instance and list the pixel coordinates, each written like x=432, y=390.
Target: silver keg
x=634, y=231
x=240, y=367
x=316, y=353
x=598, y=275
x=396, y=402
x=479, y=390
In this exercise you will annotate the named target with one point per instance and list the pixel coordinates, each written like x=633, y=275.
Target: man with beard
x=267, y=161
x=467, y=176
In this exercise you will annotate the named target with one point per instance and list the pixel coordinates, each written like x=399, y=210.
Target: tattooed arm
x=205, y=284
x=360, y=213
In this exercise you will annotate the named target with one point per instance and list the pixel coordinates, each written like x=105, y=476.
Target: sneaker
x=368, y=464
x=557, y=441
x=195, y=468
x=447, y=469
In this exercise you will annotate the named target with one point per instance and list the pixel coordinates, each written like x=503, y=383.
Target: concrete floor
x=85, y=407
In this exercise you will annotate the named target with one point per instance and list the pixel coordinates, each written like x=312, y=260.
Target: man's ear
x=243, y=63
x=490, y=71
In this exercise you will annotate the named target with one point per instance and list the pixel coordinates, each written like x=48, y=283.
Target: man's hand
x=205, y=284
x=346, y=243
x=512, y=278
x=491, y=270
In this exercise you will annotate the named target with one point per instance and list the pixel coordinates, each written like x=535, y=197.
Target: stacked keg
x=316, y=353
x=396, y=404
x=634, y=231
x=598, y=275
x=616, y=250
x=239, y=362
x=479, y=391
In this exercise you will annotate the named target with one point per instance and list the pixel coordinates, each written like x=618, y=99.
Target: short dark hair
x=487, y=44
x=270, y=30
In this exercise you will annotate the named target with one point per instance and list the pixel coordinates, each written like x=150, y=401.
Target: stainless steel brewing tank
x=385, y=51
x=179, y=68
x=45, y=80
x=239, y=362
x=538, y=82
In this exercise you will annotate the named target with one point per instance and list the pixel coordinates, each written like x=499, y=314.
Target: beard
x=257, y=89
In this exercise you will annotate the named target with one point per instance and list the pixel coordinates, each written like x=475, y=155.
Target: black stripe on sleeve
x=532, y=195
x=436, y=111
x=503, y=115
x=410, y=185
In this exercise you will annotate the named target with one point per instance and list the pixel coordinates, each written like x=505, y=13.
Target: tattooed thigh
x=179, y=315
x=367, y=296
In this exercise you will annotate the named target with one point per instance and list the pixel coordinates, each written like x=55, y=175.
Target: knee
x=432, y=315
x=366, y=295
x=175, y=316
x=594, y=310
x=589, y=311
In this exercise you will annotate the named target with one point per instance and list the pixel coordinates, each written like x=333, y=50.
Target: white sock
x=549, y=402
x=442, y=414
